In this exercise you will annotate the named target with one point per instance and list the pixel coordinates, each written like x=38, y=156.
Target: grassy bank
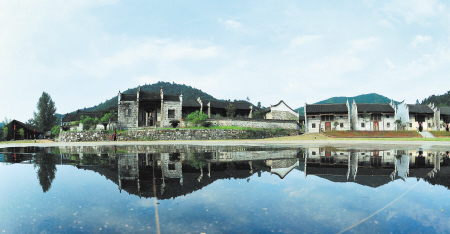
x=440, y=133
x=373, y=134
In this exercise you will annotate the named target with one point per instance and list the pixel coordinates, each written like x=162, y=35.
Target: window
x=376, y=117
x=341, y=125
x=128, y=112
x=363, y=154
x=327, y=117
x=388, y=125
x=313, y=117
x=171, y=114
x=429, y=125
x=313, y=125
x=363, y=125
x=410, y=125
x=387, y=116
x=314, y=153
x=388, y=153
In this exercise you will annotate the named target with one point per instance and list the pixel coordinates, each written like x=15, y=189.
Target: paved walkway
x=427, y=135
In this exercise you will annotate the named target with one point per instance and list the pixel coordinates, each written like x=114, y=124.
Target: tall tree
x=45, y=118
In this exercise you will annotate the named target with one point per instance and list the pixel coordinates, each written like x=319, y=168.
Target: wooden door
x=328, y=126
x=376, y=127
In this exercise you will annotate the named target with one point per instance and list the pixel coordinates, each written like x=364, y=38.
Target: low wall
x=176, y=134
x=255, y=123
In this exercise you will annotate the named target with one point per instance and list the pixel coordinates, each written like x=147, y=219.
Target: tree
x=5, y=133
x=21, y=131
x=55, y=130
x=231, y=110
x=335, y=125
x=197, y=118
x=46, y=164
x=88, y=122
x=417, y=102
x=45, y=118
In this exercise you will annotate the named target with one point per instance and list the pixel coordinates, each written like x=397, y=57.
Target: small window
x=388, y=125
x=341, y=125
x=313, y=153
x=387, y=116
x=313, y=125
x=171, y=166
x=313, y=117
x=128, y=112
x=429, y=125
x=388, y=153
x=410, y=125
x=171, y=114
x=341, y=153
x=363, y=154
x=363, y=125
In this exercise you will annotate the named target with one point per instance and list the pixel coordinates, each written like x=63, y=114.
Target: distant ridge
x=363, y=98
x=189, y=93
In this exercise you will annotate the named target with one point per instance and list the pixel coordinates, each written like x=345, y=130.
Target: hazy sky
x=84, y=52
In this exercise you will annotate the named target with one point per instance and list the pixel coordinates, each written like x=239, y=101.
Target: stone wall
x=177, y=134
x=284, y=115
x=255, y=123
x=170, y=105
x=128, y=121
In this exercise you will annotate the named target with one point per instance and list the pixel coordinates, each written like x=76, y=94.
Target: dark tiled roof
x=175, y=98
x=223, y=105
x=420, y=109
x=375, y=107
x=265, y=110
x=150, y=96
x=445, y=110
x=23, y=125
x=191, y=103
x=326, y=108
x=128, y=97
x=78, y=114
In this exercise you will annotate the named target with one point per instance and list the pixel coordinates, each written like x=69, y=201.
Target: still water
x=223, y=189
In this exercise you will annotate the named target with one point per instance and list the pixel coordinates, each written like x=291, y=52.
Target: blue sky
x=84, y=52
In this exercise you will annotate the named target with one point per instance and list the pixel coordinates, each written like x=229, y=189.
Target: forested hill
x=439, y=100
x=188, y=92
x=364, y=98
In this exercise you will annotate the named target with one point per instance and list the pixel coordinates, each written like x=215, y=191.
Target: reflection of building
x=282, y=167
x=369, y=167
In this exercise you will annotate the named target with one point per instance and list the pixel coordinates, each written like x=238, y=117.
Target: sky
x=84, y=52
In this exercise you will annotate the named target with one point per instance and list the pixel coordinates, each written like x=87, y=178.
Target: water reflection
x=179, y=170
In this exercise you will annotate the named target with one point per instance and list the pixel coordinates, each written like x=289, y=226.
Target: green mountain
x=364, y=98
x=439, y=100
x=189, y=93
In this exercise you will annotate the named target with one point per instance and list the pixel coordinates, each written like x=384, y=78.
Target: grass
x=373, y=134
x=440, y=134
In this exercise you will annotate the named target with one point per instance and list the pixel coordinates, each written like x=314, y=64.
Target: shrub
x=197, y=118
x=207, y=124
x=231, y=110
x=88, y=122
x=55, y=130
x=174, y=122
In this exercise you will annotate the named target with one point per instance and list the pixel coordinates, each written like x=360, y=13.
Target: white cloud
x=415, y=10
x=298, y=41
x=230, y=24
x=390, y=65
x=419, y=39
x=363, y=43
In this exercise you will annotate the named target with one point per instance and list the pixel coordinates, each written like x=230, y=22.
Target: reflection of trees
x=46, y=164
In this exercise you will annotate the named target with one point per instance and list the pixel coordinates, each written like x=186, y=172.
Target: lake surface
x=223, y=189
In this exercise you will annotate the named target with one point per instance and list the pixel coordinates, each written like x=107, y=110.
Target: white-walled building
x=327, y=117
x=380, y=116
x=281, y=111
x=416, y=117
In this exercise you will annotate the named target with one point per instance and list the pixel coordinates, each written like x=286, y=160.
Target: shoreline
x=339, y=143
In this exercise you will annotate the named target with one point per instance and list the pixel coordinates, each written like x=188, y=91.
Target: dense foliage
x=439, y=100
x=231, y=110
x=197, y=118
x=55, y=130
x=189, y=93
x=45, y=118
x=88, y=122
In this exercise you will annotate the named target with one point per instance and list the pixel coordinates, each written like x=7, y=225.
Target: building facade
x=373, y=117
x=327, y=117
x=148, y=109
x=280, y=111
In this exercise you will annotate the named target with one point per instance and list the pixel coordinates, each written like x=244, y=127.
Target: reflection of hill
x=440, y=178
x=372, y=177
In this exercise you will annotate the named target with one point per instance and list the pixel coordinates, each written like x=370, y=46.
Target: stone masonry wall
x=126, y=121
x=283, y=115
x=170, y=105
x=176, y=134
x=255, y=123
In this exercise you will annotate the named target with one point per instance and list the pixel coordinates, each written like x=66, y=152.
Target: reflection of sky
x=84, y=200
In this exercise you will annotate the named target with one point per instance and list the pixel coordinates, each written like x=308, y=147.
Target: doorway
x=328, y=126
x=376, y=126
